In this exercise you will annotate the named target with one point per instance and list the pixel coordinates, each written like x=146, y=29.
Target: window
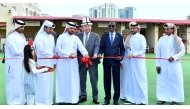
x=28, y=12
x=95, y=13
x=14, y=7
x=31, y=13
x=103, y=12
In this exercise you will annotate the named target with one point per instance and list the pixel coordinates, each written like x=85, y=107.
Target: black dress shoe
x=122, y=99
x=82, y=100
x=96, y=101
x=106, y=103
x=61, y=103
x=115, y=103
x=142, y=104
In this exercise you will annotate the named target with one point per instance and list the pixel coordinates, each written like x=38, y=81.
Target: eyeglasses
x=111, y=26
x=125, y=34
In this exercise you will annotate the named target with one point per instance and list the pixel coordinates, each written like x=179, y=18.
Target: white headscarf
x=70, y=25
x=131, y=24
x=46, y=23
x=176, y=38
x=16, y=24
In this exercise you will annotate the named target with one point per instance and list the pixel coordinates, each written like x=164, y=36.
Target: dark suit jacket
x=92, y=46
x=117, y=49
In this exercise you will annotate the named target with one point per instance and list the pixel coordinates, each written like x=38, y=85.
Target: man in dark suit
x=91, y=42
x=111, y=44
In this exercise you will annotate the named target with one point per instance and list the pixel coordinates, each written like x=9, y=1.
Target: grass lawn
x=152, y=74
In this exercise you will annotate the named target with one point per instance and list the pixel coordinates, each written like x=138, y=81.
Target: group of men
x=119, y=53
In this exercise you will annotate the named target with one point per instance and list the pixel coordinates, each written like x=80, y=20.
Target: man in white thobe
x=137, y=87
x=14, y=70
x=45, y=48
x=125, y=34
x=67, y=72
x=170, y=76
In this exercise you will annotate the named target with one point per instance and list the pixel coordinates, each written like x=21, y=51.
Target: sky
x=177, y=11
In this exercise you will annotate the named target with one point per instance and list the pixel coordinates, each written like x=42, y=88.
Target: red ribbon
x=86, y=61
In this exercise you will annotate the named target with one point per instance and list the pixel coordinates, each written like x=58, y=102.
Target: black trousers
x=115, y=73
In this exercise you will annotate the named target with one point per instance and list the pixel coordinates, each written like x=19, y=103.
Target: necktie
x=111, y=40
x=86, y=40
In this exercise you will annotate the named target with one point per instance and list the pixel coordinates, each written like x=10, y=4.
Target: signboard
x=32, y=23
x=103, y=24
x=3, y=28
x=64, y=23
x=143, y=25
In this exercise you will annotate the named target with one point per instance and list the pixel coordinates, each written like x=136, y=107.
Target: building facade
x=187, y=17
x=127, y=12
x=24, y=9
x=108, y=10
x=78, y=15
x=45, y=14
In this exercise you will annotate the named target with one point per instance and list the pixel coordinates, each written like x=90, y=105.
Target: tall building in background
x=127, y=12
x=78, y=15
x=45, y=14
x=24, y=9
x=108, y=10
x=187, y=17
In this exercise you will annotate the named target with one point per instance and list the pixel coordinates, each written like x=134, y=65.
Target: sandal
x=161, y=102
x=174, y=103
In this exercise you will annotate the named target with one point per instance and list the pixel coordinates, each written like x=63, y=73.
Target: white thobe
x=14, y=70
x=67, y=72
x=45, y=48
x=136, y=87
x=170, y=80
x=122, y=70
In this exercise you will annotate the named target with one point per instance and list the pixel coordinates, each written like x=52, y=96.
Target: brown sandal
x=161, y=102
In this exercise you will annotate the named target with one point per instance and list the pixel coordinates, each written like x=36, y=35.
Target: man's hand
x=95, y=56
x=170, y=59
x=158, y=69
x=121, y=65
x=118, y=58
x=100, y=56
x=55, y=56
x=72, y=56
x=130, y=56
x=86, y=56
x=54, y=66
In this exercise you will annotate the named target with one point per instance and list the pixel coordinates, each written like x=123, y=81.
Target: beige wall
x=150, y=36
x=156, y=37
x=22, y=8
x=17, y=5
x=6, y=18
x=188, y=39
